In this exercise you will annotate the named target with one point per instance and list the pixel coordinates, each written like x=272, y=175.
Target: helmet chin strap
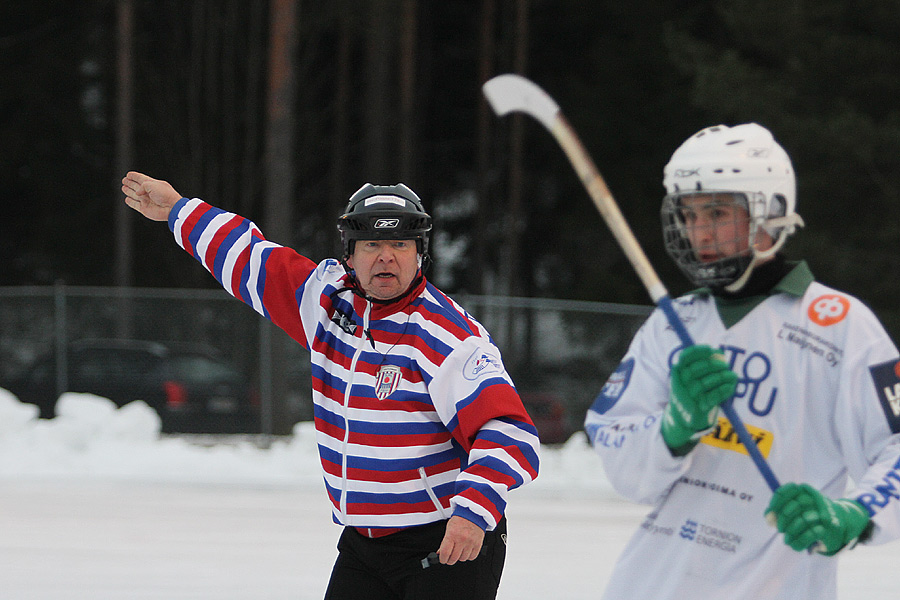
x=787, y=225
x=736, y=285
x=356, y=287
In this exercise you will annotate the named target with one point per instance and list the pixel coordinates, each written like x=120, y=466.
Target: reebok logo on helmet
x=386, y=223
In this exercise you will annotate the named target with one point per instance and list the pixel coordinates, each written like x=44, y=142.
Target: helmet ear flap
x=349, y=247
x=777, y=207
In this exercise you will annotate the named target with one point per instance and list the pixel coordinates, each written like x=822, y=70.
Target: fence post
x=60, y=338
x=266, y=404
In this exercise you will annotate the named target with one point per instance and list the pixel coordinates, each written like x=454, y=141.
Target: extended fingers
x=134, y=181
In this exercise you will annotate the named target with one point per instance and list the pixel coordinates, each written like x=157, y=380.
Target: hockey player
x=813, y=374
x=421, y=433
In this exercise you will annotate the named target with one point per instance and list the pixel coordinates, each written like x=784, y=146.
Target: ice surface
x=95, y=505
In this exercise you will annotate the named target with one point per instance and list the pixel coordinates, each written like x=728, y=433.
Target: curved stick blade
x=514, y=93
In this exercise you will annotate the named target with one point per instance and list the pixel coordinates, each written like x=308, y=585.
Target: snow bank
x=93, y=439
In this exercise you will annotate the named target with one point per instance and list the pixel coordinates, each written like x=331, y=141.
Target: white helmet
x=744, y=161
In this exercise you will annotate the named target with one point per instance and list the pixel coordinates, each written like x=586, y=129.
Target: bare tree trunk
x=280, y=124
x=195, y=98
x=229, y=171
x=341, y=134
x=212, y=96
x=516, y=224
x=408, y=91
x=378, y=90
x=516, y=172
x=280, y=119
x=124, y=154
x=485, y=71
x=250, y=166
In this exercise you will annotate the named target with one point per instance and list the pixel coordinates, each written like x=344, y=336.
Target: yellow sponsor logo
x=724, y=436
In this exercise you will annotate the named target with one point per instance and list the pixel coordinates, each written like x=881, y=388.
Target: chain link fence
x=558, y=352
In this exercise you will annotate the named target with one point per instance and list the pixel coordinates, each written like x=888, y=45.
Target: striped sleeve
x=268, y=277
x=476, y=400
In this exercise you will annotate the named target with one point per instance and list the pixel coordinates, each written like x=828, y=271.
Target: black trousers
x=391, y=568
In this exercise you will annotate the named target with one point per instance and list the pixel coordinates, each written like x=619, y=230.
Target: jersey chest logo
x=828, y=309
x=387, y=381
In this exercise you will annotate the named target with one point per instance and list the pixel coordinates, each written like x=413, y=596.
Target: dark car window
x=110, y=367
x=191, y=390
x=200, y=370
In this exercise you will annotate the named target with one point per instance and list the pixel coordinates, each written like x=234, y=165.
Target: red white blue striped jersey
x=416, y=417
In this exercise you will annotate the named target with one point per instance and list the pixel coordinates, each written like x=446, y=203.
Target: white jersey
x=818, y=388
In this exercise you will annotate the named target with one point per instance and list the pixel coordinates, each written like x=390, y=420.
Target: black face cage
x=717, y=274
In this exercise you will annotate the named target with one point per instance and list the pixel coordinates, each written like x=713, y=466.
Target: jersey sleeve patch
x=886, y=377
x=482, y=363
x=614, y=387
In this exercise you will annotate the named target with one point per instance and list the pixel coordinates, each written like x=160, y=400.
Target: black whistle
x=431, y=559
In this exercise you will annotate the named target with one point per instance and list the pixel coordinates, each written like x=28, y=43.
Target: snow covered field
x=95, y=506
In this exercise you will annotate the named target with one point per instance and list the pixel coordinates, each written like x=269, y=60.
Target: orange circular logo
x=828, y=309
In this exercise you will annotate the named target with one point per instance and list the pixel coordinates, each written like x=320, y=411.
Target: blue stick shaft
x=665, y=303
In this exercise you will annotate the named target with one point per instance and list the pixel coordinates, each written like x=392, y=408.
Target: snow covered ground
x=94, y=505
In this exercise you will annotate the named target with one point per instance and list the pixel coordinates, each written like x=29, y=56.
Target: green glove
x=701, y=381
x=812, y=522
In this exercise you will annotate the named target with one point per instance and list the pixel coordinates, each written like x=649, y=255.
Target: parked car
x=550, y=416
x=193, y=390
x=205, y=394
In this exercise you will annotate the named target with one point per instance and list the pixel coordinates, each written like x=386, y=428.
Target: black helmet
x=384, y=212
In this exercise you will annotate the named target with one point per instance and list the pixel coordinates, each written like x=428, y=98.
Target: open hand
x=153, y=198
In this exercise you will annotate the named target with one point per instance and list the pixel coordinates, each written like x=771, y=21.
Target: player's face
x=384, y=268
x=717, y=225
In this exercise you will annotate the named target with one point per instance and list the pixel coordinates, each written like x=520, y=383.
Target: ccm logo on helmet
x=687, y=172
x=386, y=223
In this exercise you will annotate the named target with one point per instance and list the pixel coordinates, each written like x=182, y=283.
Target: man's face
x=718, y=226
x=384, y=268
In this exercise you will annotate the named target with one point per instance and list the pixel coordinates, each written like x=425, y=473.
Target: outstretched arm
x=153, y=198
